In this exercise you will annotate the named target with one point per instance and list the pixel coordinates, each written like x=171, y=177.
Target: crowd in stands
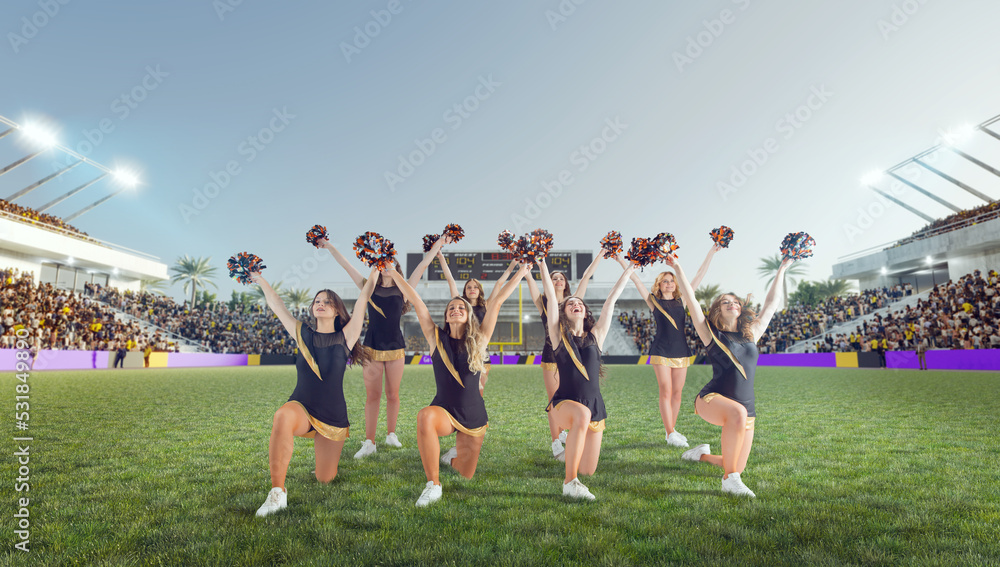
x=27, y=214
x=963, y=314
x=956, y=221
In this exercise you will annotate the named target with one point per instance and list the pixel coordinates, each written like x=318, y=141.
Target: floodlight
x=38, y=135
x=872, y=177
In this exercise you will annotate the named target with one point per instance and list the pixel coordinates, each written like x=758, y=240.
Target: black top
x=548, y=354
x=480, y=312
x=322, y=398
x=573, y=385
x=462, y=400
x=384, y=332
x=669, y=341
x=727, y=379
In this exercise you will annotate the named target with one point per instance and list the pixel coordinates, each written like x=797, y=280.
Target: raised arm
x=503, y=279
x=418, y=272
x=277, y=305
x=536, y=296
x=493, y=308
x=581, y=289
x=344, y=263
x=352, y=331
x=638, y=283
x=694, y=308
x=423, y=314
x=771, y=301
x=607, y=311
x=452, y=288
x=703, y=269
x=550, y=298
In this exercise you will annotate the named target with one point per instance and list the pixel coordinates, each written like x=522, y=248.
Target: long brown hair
x=747, y=315
x=481, y=300
x=567, y=291
x=358, y=353
x=473, y=345
x=656, y=285
x=383, y=277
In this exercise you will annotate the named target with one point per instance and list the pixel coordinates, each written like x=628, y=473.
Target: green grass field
x=850, y=467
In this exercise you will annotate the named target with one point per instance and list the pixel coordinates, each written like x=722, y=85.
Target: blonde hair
x=659, y=279
x=474, y=346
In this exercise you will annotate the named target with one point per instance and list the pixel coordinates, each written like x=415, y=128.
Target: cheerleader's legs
x=393, y=380
x=372, y=373
x=736, y=439
x=290, y=420
x=551, y=379
x=433, y=423
x=677, y=378
x=327, y=458
x=468, y=448
x=667, y=381
x=583, y=447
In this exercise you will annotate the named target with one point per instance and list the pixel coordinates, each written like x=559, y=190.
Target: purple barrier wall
x=196, y=359
x=902, y=359
x=988, y=359
x=60, y=359
x=814, y=359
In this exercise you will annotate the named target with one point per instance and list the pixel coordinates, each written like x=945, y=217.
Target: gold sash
x=370, y=302
x=571, y=349
x=656, y=302
x=444, y=357
x=728, y=352
x=305, y=350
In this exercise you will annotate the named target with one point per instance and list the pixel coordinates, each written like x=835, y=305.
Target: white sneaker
x=449, y=455
x=367, y=448
x=430, y=495
x=734, y=485
x=277, y=499
x=696, y=453
x=576, y=489
x=676, y=440
x=393, y=441
x=558, y=450
x=562, y=436
x=685, y=439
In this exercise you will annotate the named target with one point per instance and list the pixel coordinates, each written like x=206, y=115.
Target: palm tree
x=257, y=293
x=769, y=268
x=298, y=298
x=195, y=273
x=834, y=288
x=706, y=293
x=153, y=286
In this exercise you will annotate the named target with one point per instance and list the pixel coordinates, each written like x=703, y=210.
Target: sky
x=248, y=122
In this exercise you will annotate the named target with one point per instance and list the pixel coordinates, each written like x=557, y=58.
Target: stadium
x=148, y=378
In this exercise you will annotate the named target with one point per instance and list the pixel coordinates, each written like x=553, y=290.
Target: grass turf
x=167, y=466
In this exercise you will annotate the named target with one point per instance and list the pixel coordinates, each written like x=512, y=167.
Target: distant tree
x=205, y=298
x=298, y=298
x=808, y=293
x=257, y=294
x=705, y=294
x=240, y=299
x=834, y=288
x=769, y=268
x=195, y=273
x=153, y=286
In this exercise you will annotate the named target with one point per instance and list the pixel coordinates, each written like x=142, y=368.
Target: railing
x=69, y=233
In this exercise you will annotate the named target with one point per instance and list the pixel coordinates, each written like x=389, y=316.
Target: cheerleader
x=730, y=334
x=473, y=293
x=577, y=405
x=317, y=404
x=669, y=354
x=384, y=344
x=550, y=373
x=457, y=350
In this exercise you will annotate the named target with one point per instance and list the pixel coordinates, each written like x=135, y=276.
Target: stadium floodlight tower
x=125, y=178
x=872, y=178
x=35, y=136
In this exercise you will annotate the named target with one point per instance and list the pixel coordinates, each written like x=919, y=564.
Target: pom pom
x=797, y=246
x=315, y=234
x=665, y=244
x=429, y=240
x=612, y=244
x=722, y=236
x=454, y=231
x=534, y=247
x=242, y=265
x=506, y=241
x=375, y=250
x=643, y=252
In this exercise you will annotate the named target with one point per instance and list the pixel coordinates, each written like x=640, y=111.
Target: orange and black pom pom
x=722, y=236
x=315, y=234
x=612, y=244
x=242, y=265
x=429, y=240
x=797, y=246
x=454, y=231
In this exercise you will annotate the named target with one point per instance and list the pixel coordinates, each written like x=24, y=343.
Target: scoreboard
x=489, y=266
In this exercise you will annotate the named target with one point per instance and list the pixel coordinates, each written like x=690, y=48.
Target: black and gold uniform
x=320, y=364
x=669, y=346
x=548, y=353
x=734, y=363
x=579, y=362
x=457, y=386
x=384, y=337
